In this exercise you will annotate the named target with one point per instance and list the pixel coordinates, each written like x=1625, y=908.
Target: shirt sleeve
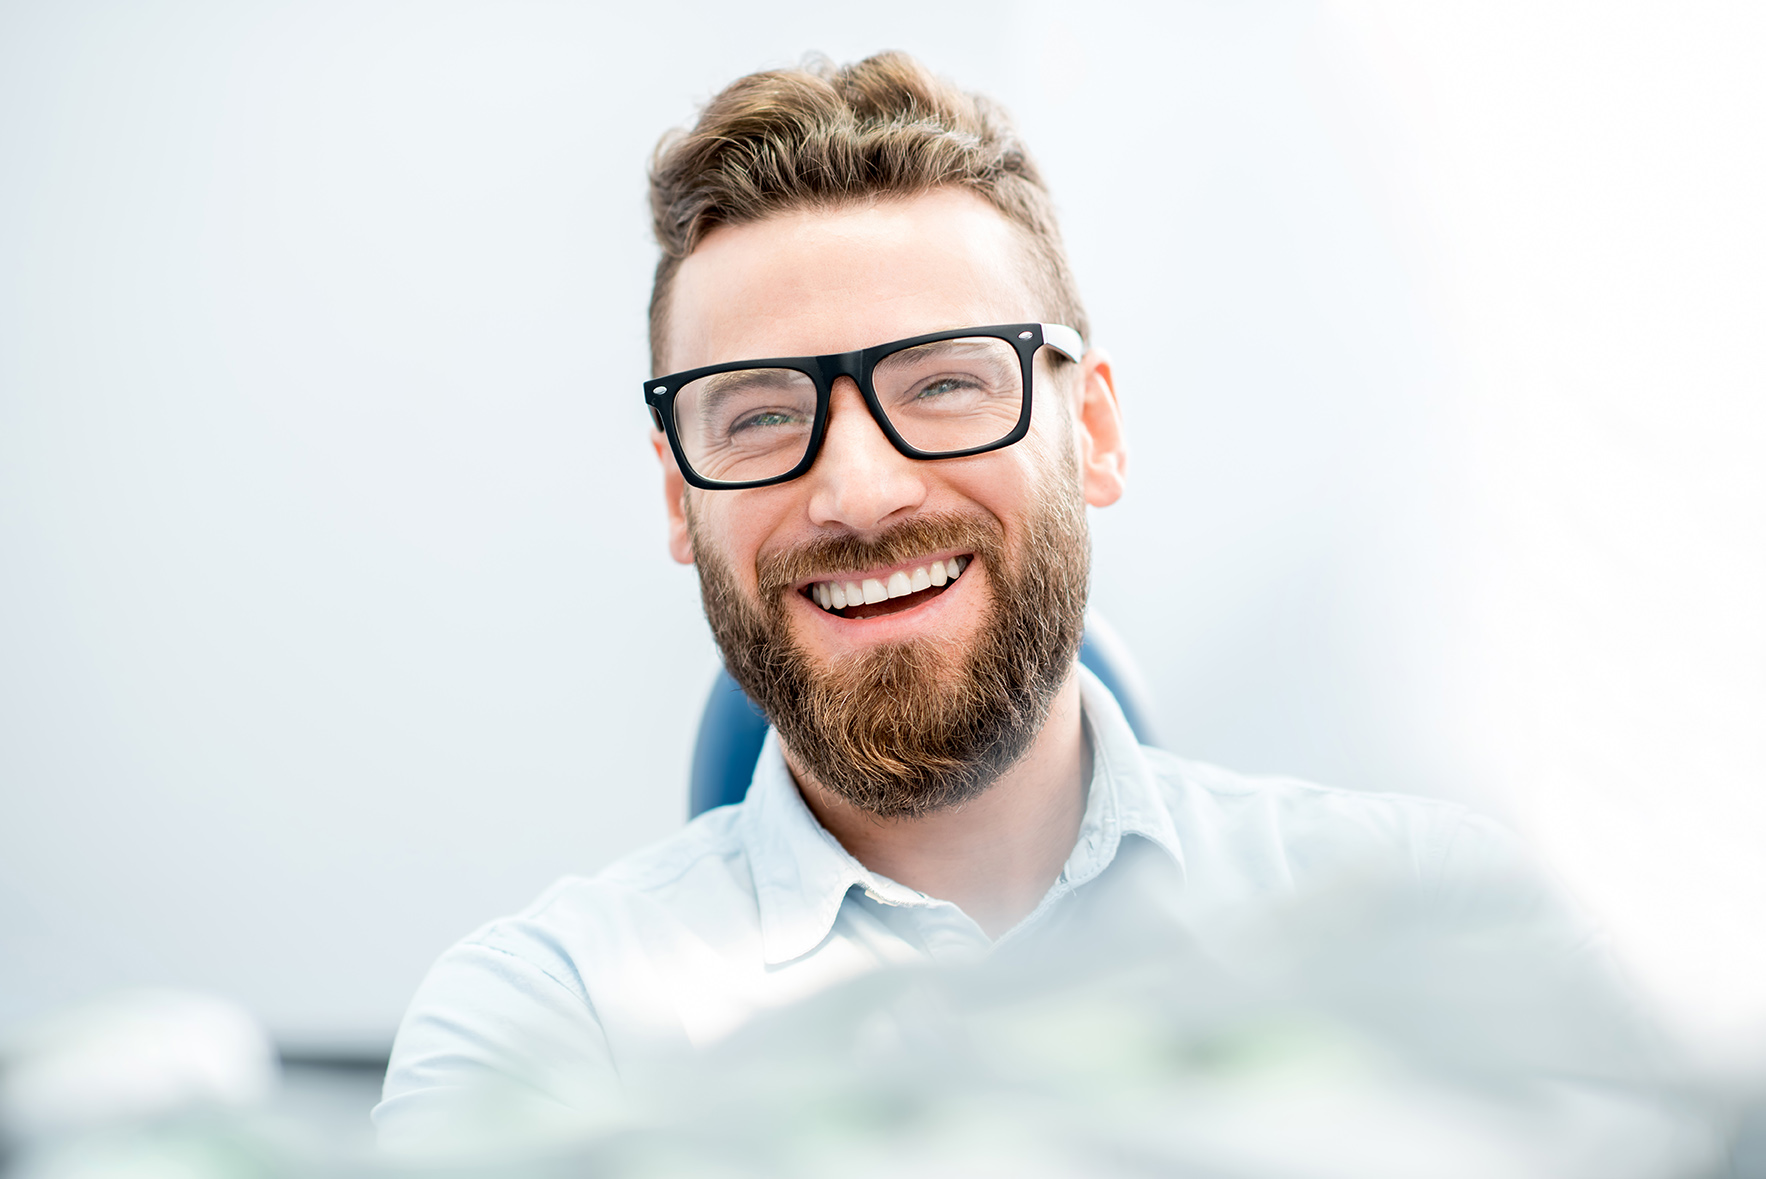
x=1487, y=874
x=496, y=1049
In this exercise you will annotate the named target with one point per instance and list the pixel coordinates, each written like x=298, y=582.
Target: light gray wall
x=334, y=612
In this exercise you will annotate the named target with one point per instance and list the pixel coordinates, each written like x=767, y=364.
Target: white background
x=334, y=612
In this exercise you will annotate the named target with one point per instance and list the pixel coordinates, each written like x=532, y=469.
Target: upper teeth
x=838, y=595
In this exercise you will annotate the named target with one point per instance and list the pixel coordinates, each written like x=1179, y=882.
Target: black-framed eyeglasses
x=750, y=423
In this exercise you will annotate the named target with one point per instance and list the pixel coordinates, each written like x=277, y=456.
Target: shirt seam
x=579, y=993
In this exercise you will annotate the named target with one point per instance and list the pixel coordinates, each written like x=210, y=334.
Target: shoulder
x=700, y=871
x=1230, y=794
x=549, y=955
x=1302, y=828
x=537, y=1007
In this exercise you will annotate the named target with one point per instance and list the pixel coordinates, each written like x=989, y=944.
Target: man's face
x=820, y=282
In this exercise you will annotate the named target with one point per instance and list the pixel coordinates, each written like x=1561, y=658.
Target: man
x=880, y=422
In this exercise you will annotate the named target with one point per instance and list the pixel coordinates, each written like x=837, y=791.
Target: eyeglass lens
x=943, y=397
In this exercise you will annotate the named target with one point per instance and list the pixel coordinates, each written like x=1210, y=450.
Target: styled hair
x=821, y=137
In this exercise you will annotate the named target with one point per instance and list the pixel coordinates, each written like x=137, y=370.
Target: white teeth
x=838, y=595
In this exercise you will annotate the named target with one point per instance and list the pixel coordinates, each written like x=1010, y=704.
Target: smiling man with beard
x=880, y=426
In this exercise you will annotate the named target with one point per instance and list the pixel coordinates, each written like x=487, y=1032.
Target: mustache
x=778, y=572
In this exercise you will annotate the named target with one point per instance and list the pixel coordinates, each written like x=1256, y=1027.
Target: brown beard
x=898, y=731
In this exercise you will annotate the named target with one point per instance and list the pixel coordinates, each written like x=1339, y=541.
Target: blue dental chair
x=731, y=729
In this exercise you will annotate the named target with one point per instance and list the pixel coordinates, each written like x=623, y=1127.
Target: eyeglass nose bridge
x=852, y=365
x=845, y=364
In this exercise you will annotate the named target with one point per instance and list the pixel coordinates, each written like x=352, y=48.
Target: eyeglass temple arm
x=1063, y=339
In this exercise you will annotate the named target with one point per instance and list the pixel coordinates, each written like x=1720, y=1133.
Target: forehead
x=817, y=281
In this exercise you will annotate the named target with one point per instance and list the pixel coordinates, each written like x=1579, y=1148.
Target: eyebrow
x=940, y=350
x=960, y=344
x=720, y=387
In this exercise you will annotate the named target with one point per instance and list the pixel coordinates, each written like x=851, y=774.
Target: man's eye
x=941, y=387
x=769, y=417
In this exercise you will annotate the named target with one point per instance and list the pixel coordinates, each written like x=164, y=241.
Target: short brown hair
x=823, y=136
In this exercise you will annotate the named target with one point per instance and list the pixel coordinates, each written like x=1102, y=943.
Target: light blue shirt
x=605, y=983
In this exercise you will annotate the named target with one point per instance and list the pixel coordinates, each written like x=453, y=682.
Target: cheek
x=1041, y=472
x=1003, y=484
x=736, y=526
x=1057, y=419
x=1047, y=452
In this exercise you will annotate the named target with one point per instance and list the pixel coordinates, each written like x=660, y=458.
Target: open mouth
x=873, y=597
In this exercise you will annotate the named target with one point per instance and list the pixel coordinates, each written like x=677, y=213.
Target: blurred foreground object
x=1347, y=1035
x=134, y=1057
x=1354, y=1033
x=133, y=1084
x=1361, y=1031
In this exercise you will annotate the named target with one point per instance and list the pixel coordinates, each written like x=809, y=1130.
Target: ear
x=674, y=494
x=1103, y=456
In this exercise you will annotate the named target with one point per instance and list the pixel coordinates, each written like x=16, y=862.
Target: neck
x=996, y=855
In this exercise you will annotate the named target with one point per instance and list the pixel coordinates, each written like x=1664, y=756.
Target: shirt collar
x=802, y=874
x=1125, y=797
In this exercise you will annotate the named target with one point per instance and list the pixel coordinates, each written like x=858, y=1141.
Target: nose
x=860, y=481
